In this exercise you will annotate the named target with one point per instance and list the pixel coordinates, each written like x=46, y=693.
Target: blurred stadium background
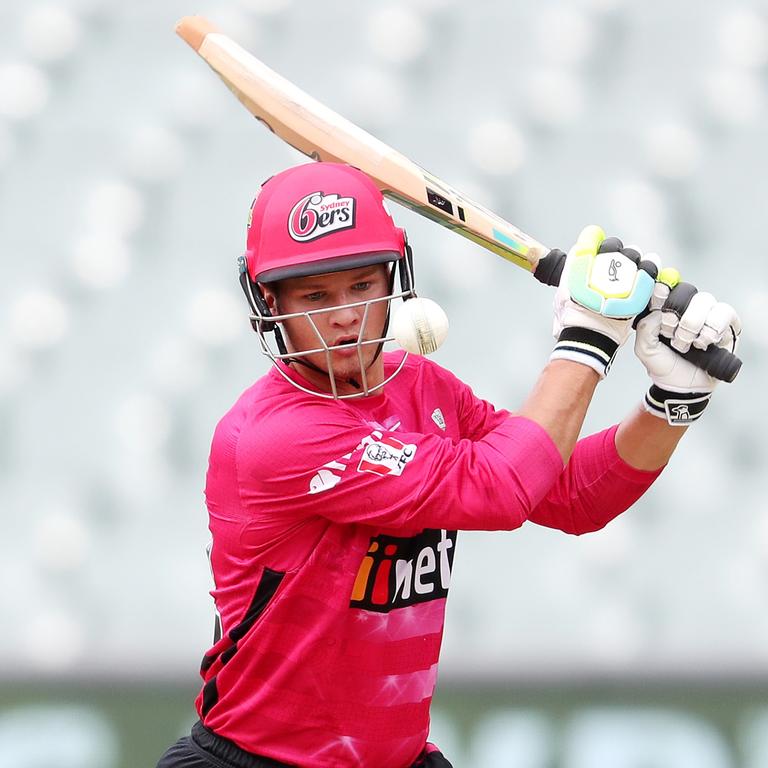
x=126, y=171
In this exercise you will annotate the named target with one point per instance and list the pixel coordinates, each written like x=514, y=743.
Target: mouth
x=346, y=346
x=345, y=341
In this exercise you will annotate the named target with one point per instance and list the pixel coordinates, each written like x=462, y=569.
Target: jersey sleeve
x=476, y=416
x=596, y=486
x=340, y=469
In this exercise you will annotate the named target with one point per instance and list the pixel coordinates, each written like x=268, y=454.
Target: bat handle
x=550, y=267
x=716, y=361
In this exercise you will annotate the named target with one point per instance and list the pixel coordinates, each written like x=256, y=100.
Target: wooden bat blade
x=322, y=134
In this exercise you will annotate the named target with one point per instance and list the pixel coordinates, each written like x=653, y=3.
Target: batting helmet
x=318, y=218
x=314, y=219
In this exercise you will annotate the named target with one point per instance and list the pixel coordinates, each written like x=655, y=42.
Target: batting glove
x=678, y=312
x=604, y=286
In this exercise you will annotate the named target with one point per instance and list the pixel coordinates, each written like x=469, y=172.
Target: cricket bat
x=322, y=134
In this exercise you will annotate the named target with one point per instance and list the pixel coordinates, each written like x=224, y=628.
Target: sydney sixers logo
x=318, y=214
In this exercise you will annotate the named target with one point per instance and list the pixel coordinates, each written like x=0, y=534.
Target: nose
x=345, y=317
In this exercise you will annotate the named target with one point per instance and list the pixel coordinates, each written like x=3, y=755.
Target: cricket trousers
x=204, y=749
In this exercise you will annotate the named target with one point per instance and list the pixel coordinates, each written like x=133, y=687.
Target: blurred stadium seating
x=126, y=171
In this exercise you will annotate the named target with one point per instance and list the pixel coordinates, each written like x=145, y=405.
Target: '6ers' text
x=317, y=214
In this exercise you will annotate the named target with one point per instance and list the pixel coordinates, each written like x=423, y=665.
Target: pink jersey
x=334, y=531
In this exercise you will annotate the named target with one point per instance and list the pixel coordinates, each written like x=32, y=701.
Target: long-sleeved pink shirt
x=334, y=531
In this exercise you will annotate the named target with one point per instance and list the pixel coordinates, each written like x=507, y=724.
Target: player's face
x=341, y=325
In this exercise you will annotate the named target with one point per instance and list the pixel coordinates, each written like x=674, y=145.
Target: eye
x=314, y=296
x=362, y=286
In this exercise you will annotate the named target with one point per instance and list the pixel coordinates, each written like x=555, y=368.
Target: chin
x=344, y=372
x=350, y=369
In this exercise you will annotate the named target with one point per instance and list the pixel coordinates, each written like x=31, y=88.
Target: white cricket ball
x=420, y=326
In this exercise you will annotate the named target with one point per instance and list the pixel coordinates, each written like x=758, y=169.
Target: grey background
x=126, y=172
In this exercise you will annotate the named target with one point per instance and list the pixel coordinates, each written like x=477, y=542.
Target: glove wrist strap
x=679, y=409
x=585, y=346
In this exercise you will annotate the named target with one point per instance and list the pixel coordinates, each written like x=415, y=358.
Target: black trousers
x=204, y=749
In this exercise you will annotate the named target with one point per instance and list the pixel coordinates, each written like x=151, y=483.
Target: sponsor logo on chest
x=397, y=572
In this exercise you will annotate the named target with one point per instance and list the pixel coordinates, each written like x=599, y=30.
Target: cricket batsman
x=338, y=481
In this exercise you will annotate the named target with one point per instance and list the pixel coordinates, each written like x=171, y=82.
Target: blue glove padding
x=604, y=286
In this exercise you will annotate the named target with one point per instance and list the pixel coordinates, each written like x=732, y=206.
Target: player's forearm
x=645, y=441
x=559, y=402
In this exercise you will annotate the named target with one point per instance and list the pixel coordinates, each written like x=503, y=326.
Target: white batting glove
x=604, y=286
x=681, y=391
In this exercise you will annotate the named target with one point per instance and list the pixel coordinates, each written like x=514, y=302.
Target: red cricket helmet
x=317, y=218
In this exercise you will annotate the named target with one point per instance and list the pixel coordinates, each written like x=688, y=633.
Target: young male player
x=337, y=482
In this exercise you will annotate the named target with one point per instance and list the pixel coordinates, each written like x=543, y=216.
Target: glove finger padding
x=722, y=327
x=660, y=295
x=674, y=307
x=692, y=321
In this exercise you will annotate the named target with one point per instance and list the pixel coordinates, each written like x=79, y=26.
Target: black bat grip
x=716, y=361
x=550, y=267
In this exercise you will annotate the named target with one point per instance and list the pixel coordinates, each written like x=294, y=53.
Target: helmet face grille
x=276, y=351
x=271, y=331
